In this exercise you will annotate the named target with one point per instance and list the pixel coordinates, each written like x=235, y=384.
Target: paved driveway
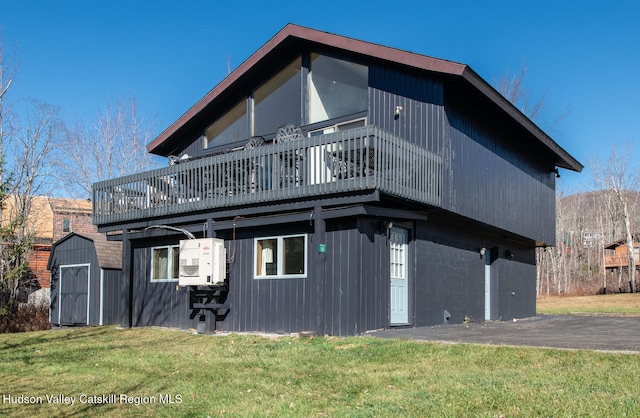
x=608, y=333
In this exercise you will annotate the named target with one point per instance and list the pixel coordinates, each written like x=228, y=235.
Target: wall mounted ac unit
x=203, y=262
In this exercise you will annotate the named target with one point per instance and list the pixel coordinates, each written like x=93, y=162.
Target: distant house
x=355, y=187
x=49, y=220
x=616, y=261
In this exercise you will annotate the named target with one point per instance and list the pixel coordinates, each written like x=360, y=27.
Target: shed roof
x=291, y=34
x=109, y=253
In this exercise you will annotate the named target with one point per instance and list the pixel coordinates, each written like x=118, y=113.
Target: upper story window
x=336, y=88
x=278, y=100
x=231, y=127
x=66, y=225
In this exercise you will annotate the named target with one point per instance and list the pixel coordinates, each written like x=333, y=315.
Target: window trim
x=280, y=260
x=337, y=126
x=66, y=228
x=169, y=263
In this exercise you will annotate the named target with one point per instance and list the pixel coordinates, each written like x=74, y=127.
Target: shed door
x=74, y=294
x=399, y=304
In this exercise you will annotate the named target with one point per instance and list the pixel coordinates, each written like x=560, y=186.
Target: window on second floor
x=229, y=128
x=278, y=100
x=66, y=225
x=336, y=88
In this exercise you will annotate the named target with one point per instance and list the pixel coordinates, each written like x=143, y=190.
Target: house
x=85, y=280
x=616, y=261
x=354, y=186
x=49, y=220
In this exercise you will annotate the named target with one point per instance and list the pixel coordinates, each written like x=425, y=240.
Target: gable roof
x=109, y=253
x=291, y=34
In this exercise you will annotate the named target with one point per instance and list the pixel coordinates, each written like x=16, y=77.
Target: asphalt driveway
x=605, y=333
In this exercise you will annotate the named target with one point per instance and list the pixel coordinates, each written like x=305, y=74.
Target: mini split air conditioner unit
x=203, y=262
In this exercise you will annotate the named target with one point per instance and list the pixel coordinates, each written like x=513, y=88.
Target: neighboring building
x=49, y=220
x=85, y=280
x=355, y=186
x=592, y=238
x=616, y=261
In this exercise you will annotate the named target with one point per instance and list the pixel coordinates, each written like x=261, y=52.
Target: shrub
x=24, y=318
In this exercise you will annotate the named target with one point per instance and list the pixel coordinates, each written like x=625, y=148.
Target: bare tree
x=34, y=143
x=514, y=88
x=552, y=262
x=8, y=71
x=619, y=180
x=7, y=75
x=111, y=144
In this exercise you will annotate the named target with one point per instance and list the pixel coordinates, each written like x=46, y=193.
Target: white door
x=399, y=304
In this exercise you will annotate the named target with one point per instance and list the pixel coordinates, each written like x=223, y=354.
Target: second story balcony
x=620, y=260
x=348, y=161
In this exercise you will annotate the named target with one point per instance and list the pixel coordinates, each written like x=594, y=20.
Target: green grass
x=617, y=304
x=237, y=375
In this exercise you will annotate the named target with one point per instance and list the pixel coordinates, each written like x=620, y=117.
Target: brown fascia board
x=397, y=56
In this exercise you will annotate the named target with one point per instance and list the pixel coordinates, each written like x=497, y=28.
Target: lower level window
x=281, y=257
x=165, y=262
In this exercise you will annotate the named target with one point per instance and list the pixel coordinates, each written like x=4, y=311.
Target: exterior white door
x=399, y=304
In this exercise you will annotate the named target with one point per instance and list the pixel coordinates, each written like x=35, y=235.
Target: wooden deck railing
x=619, y=260
x=366, y=158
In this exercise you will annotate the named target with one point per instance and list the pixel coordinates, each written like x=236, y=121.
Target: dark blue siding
x=449, y=274
x=493, y=181
x=422, y=120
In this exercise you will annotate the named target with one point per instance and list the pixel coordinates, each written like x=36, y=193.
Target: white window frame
x=335, y=127
x=169, y=263
x=280, y=257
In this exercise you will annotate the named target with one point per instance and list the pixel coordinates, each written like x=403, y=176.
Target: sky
x=582, y=57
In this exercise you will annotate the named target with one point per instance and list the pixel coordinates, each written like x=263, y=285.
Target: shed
x=85, y=280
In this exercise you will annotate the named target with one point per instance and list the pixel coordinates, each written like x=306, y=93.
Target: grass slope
x=237, y=375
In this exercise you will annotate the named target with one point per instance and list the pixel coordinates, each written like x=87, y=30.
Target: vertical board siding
x=495, y=182
x=343, y=279
x=79, y=250
x=111, y=297
x=268, y=305
x=374, y=290
x=421, y=121
x=157, y=304
x=450, y=274
x=356, y=288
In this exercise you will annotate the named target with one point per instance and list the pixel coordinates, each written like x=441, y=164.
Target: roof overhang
x=292, y=33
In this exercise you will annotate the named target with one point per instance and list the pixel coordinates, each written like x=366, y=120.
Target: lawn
x=618, y=304
x=107, y=371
